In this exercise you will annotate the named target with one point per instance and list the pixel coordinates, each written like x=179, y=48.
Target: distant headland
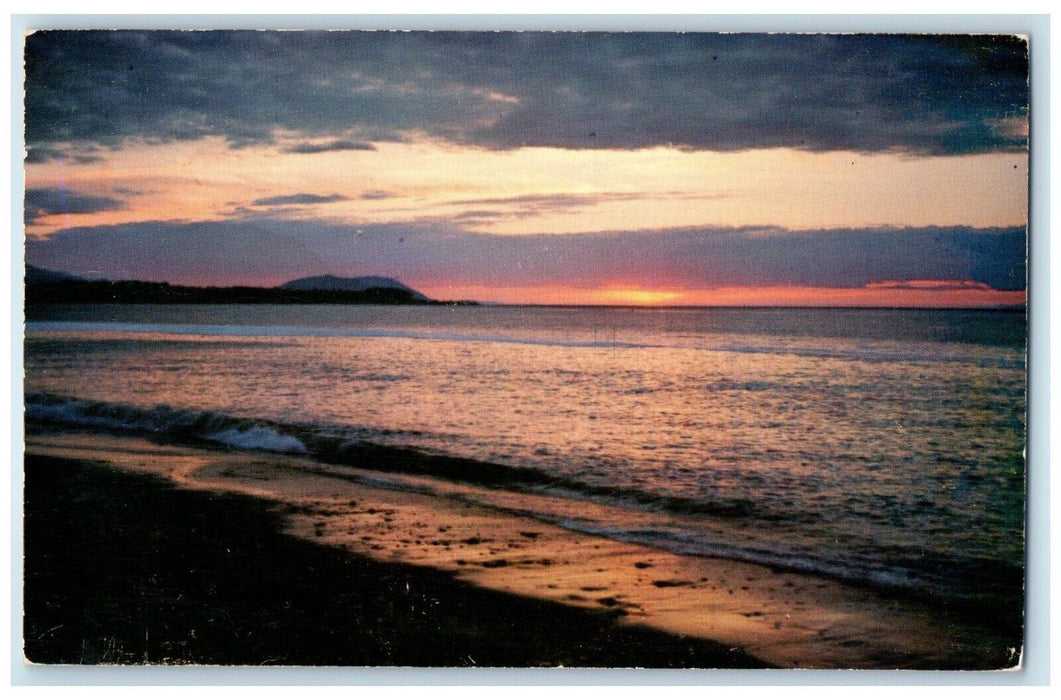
x=55, y=287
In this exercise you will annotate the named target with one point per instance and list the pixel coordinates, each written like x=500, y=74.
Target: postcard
x=525, y=349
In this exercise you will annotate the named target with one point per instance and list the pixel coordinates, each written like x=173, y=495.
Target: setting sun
x=639, y=297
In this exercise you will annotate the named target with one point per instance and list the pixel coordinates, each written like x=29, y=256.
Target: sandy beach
x=492, y=587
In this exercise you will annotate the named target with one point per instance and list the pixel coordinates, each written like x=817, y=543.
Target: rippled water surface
x=876, y=445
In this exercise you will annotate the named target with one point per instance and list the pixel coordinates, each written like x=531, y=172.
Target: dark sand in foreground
x=124, y=568
x=146, y=553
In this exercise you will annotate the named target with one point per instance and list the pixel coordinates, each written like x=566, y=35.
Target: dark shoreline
x=997, y=605
x=127, y=569
x=83, y=292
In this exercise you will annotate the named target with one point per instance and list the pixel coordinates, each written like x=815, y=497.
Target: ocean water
x=881, y=447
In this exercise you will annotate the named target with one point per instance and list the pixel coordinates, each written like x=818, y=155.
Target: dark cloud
x=918, y=94
x=41, y=202
x=335, y=145
x=80, y=154
x=376, y=194
x=274, y=250
x=42, y=154
x=301, y=198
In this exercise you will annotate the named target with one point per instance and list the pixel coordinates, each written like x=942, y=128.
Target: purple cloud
x=42, y=202
x=275, y=249
x=301, y=198
x=336, y=145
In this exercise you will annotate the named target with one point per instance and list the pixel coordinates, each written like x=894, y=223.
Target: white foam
x=258, y=438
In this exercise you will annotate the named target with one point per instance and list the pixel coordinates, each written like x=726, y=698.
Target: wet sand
x=494, y=565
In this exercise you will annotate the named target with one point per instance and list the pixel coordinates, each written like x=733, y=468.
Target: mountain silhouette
x=51, y=287
x=331, y=283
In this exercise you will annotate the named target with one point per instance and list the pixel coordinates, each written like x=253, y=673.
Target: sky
x=572, y=168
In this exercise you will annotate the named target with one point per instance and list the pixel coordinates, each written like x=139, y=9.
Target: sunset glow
x=372, y=182
x=912, y=297
x=535, y=190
